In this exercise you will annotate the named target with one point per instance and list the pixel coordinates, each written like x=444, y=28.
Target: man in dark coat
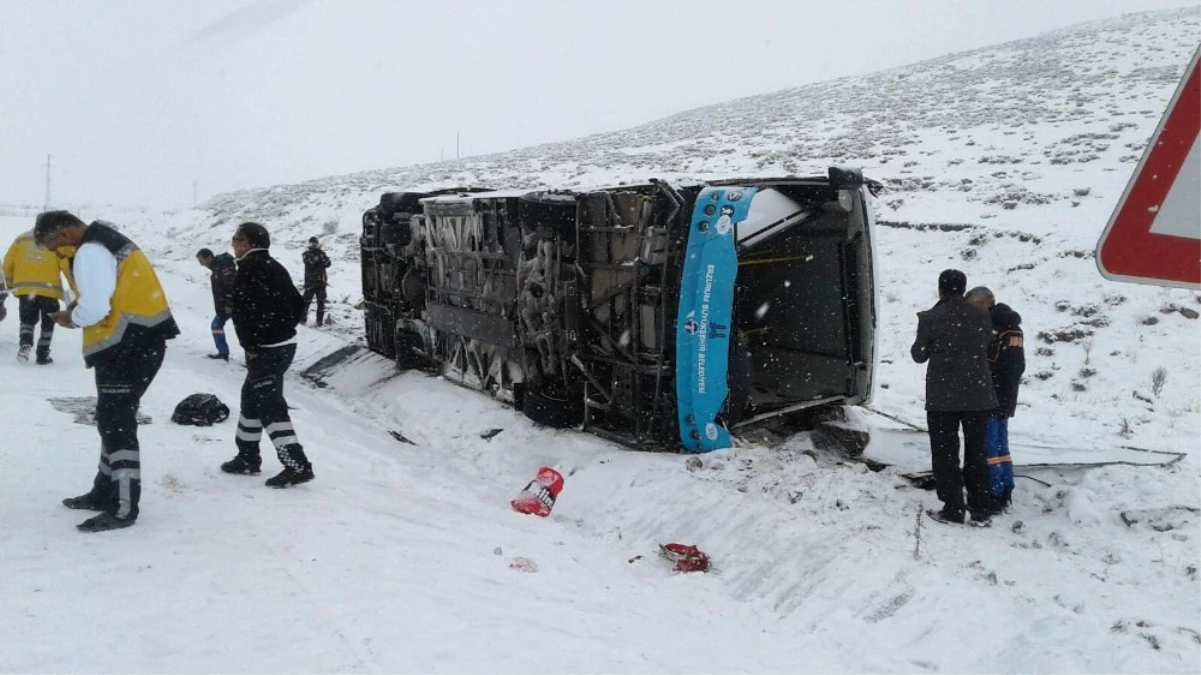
x=315, y=279
x=1007, y=361
x=953, y=337
x=266, y=310
x=224, y=272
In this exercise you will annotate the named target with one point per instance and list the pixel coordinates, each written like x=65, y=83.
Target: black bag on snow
x=201, y=410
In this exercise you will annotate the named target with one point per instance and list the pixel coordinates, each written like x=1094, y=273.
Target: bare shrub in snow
x=1124, y=430
x=1158, y=378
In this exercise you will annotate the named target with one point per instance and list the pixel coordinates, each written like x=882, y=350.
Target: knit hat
x=952, y=282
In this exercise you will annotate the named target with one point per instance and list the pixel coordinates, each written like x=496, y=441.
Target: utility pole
x=46, y=205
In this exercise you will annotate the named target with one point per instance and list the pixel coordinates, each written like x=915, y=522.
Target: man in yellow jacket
x=35, y=276
x=126, y=324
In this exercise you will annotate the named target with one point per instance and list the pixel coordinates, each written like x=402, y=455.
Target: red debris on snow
x=538, y=498
x=686, y=558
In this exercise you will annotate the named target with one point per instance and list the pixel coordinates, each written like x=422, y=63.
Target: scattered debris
x=84, y=409
x=490, y=434
x=522, y=564
x=685, y=557
x=401, y=437
x=1161, y=520
x=539, y=496
x=634, y=559
x=498, y=551
x=694, y=464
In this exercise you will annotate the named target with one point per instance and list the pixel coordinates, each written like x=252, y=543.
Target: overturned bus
x=661, y=316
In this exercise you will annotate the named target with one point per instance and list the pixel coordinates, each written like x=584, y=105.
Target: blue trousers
x=1000, y=464
x=219, y=334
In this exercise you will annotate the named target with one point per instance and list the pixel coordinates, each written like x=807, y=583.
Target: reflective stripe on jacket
x=30, y=269
x=138, y=310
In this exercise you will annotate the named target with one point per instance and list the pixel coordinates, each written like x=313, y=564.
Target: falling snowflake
x=762, y=311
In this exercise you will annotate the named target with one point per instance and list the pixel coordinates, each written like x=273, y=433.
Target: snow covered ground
x=406, y=557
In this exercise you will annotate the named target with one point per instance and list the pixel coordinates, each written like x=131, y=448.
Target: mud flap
x=704, y=317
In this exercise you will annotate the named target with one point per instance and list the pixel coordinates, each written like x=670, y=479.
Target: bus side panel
x=705, y=316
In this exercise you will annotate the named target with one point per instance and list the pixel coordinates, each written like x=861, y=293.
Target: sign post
x=1154, y=234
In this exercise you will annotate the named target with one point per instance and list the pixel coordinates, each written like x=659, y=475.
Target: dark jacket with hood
x=1006, y=357
x=224, y=274
x=315, y=264
x=267, y=305
x=954, y=337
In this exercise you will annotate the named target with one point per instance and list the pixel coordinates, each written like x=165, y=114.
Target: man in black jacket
x=315, y=279
x=223, y=274
x=266, y=309
x=954, y=336
x=1007, y=361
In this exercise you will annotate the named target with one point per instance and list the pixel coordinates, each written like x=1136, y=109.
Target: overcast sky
x=136, y=99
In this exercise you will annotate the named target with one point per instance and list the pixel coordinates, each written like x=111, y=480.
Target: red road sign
x=1154, y=234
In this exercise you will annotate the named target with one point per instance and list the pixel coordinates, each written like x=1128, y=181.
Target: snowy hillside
x=1005, y=162
x=403, y=556
x=1021, y=122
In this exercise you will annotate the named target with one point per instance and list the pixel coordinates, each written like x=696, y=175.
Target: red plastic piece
x=687, y=558
x=538, y=498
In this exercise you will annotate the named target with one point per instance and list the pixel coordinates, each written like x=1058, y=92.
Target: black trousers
x=949, y=480
x=121, y=380
x=316, y=291
x=264, y=408
x=32, y=309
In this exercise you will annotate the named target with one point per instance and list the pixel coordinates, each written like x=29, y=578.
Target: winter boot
x=103, y=522
x=244, y=464
x=89, y=502
x=221, y=357
x=23, y=353
x=290, y=476
x=980, y=520
x=945, y=516
x=44, y=360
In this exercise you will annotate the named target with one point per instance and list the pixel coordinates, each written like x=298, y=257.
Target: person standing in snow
x=35, y=276
x=266, y=310
x=223, y=272
x=1007, y=362
x=953, y=337
x=126, y=323
x=315, y=279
